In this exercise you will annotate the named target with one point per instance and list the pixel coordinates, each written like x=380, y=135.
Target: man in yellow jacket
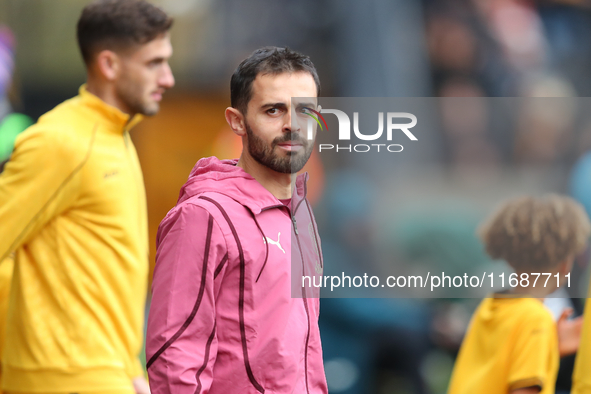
x=73, y=212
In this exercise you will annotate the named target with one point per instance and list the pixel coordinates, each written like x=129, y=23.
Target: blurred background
x=369, y=48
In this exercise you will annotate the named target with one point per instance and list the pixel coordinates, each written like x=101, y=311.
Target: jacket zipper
x=304, y=298
x=134, y=173
x=305, y=301
x=315, y=236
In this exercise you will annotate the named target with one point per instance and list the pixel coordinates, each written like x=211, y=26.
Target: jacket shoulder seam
x=198, y=203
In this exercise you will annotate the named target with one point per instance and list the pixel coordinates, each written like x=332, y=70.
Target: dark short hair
x=119, y=24
x=266, y=60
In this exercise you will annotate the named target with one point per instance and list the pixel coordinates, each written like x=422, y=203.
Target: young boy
x=512, y=344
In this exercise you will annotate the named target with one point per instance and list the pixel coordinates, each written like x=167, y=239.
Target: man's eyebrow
x=274, y=105
x=158, y=59
x=306, y=105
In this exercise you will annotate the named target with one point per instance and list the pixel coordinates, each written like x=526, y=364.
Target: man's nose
x=166, y=78
x=287, y=122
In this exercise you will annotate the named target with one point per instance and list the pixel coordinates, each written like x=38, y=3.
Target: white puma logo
x=276, y=243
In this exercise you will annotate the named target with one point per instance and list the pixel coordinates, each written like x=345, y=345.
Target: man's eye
x=154, y=63
x=273, y=111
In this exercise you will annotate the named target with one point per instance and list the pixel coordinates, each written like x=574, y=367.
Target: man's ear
x=108, y=63
x=236, y=121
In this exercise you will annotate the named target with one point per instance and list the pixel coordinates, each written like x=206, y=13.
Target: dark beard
x=265, y=155
x=131, y=95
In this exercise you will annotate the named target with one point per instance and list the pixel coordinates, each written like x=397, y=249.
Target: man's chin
x=149, y=108
x=298, y=161
x=151, y=111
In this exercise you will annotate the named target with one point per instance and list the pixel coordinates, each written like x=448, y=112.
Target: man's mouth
x=291, y=145
x=157, y=95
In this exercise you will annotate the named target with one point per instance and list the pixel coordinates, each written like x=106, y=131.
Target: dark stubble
x=130, y=92
x=267, y=156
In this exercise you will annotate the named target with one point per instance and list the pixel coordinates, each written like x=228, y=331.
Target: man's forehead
x=160, y=46
x=283, y=86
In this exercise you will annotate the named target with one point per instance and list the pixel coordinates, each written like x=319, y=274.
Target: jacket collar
x=223, y=176
x=114, y=117
x=265, y=199
x=300, y=191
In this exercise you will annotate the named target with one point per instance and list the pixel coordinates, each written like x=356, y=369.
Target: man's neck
x=278, y=184
x=106, y=94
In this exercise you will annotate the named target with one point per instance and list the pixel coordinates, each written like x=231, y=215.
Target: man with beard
x=73, y=210
x=222, y=318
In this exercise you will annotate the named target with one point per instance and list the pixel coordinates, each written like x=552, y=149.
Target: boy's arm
x=181, y=340
x=569, y=333
x=534, y=359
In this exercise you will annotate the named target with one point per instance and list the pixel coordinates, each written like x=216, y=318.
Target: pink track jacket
x=222, y=318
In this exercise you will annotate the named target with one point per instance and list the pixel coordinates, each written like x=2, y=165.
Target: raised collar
x=114, y=117
x=270, y=201
x=265, y=199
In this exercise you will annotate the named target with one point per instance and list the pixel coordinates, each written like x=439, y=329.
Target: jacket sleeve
x=181, y=340
x=38, y=183
x=534, y=357
x=135, y=368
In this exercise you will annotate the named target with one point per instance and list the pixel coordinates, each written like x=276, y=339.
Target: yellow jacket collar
x=114, y=116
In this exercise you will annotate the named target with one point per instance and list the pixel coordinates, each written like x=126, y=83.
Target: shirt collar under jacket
x=119, y=120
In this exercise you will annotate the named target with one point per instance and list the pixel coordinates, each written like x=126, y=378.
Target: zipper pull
x=295, y=225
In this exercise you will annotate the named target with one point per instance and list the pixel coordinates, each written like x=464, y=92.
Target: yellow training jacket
x=73, y=209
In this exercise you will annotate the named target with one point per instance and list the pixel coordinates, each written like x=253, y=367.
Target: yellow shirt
x=511, y=343
x=73, y=209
